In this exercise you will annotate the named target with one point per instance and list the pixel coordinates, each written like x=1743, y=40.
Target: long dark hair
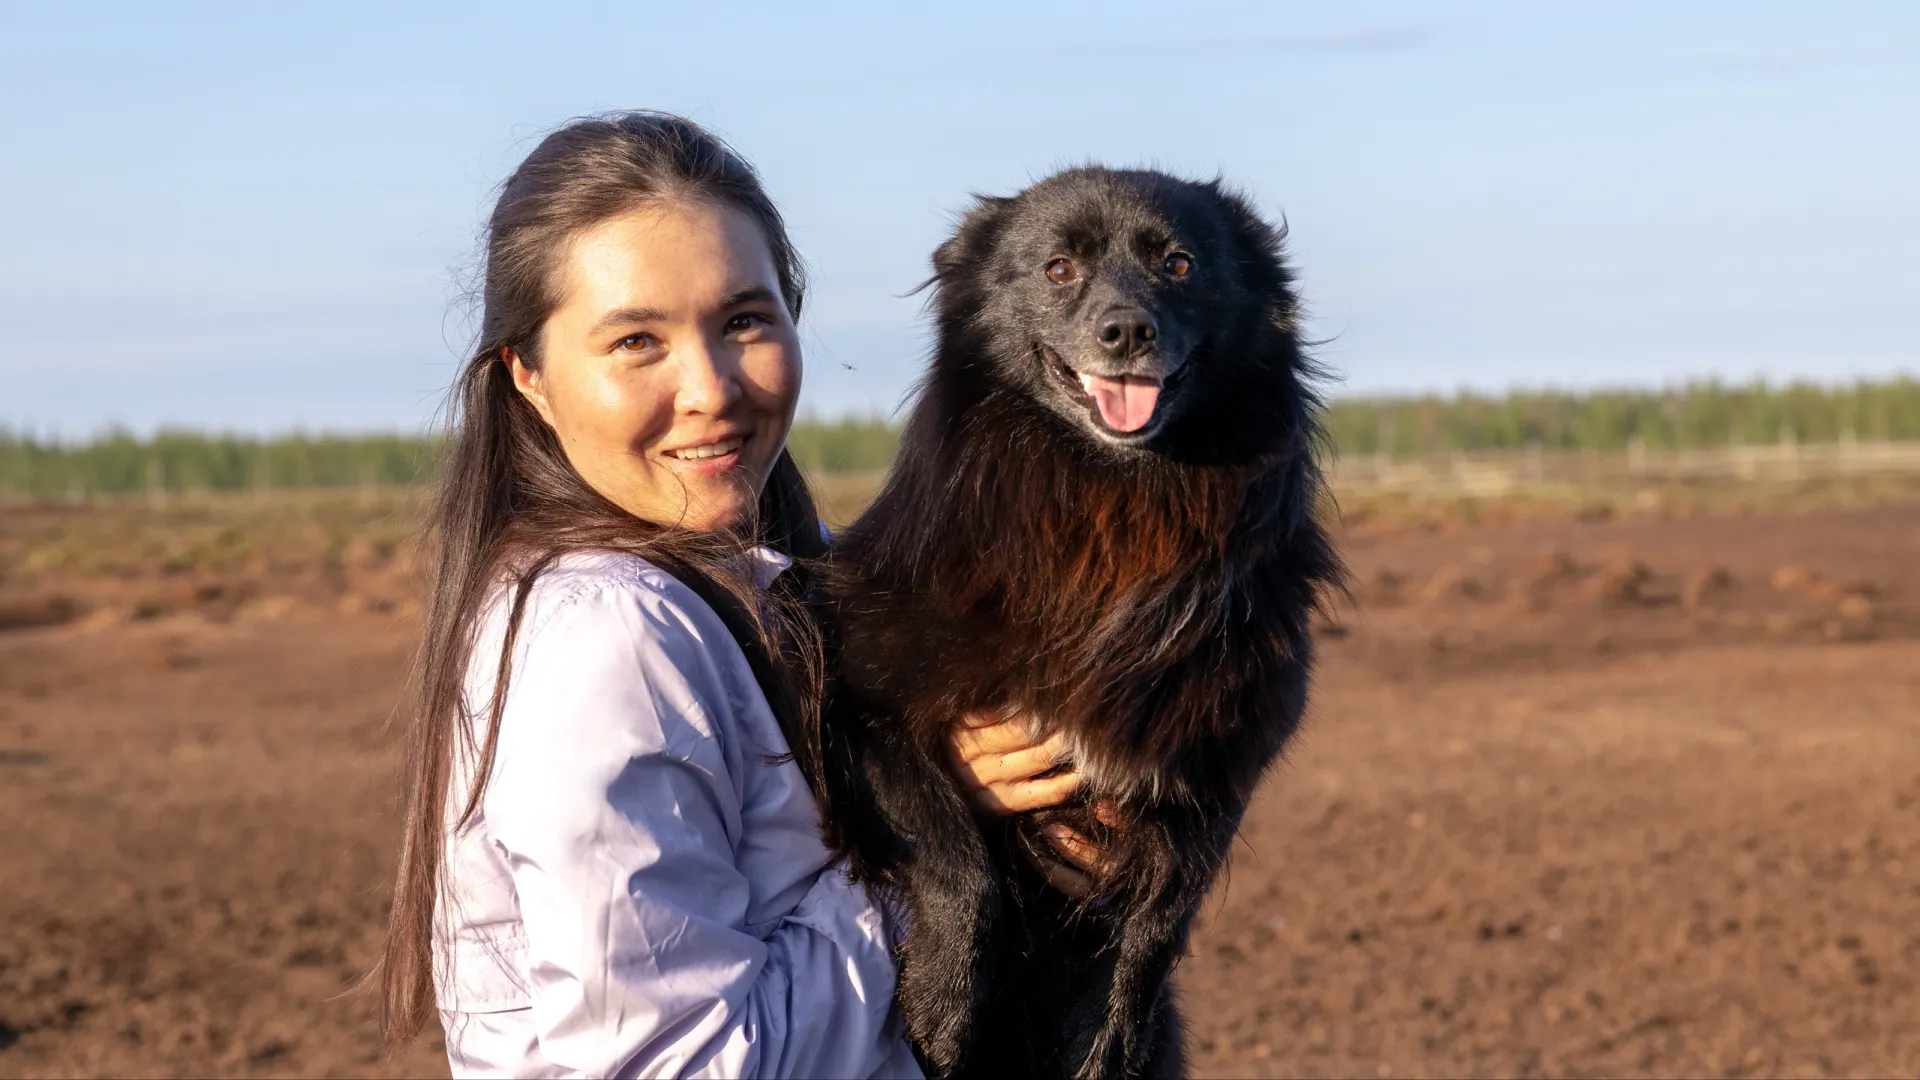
x=509, y=503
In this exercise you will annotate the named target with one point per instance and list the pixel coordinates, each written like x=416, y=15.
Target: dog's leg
x=950, y=884
x=1166, y=1044
x=1150, y=941
x=1152, y=936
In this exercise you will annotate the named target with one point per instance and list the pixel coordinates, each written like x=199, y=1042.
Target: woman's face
x=671, y=368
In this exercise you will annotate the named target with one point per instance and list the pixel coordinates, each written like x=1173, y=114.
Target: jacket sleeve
x=614, y=806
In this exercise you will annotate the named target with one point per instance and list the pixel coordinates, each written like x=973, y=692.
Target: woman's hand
x=1006, y=770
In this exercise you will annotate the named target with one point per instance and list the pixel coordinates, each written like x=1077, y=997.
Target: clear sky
x=257, y=216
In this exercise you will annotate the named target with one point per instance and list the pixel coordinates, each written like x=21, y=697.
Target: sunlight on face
x=671, y=369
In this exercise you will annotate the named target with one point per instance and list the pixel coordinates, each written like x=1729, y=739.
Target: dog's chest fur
x=1118, y=602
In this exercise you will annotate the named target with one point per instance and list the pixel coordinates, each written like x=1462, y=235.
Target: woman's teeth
x=695, y=453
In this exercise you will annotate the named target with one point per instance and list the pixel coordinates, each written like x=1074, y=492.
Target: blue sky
x=260, y=216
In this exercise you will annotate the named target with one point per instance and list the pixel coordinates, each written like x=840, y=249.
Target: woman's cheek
x=779, y=377
x=636, y=411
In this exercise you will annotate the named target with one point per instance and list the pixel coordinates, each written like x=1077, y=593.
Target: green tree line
x=1695, y=415
x=1702, y=414
x=178, y=461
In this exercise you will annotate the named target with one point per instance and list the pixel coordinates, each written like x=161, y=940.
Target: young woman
x=612, y=862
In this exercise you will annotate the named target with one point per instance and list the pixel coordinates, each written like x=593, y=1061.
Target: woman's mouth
x=706, y=451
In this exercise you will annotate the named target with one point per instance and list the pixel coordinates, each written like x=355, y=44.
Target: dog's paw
x=938, y=1009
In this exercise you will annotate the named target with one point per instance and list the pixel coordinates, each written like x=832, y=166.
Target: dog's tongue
x=1126, y=401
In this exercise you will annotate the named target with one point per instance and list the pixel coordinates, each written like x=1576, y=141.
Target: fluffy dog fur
x=1144, y=587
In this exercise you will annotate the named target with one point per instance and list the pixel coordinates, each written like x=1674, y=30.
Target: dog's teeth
x=1086, y=381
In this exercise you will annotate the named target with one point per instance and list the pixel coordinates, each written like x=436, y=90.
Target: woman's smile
x=711, y=456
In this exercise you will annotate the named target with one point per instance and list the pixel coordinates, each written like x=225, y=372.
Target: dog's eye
x=1178, y=264
x=1062, y=271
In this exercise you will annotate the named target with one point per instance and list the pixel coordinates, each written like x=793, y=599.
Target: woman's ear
x=528, y=381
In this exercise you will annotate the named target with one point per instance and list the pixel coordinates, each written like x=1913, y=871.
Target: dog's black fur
x=1148, y=592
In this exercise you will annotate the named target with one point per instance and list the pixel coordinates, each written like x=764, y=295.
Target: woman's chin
x=697, y=495
x=712, y=507
x=719, y=519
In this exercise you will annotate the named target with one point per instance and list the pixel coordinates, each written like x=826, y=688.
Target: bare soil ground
x=1636, y=796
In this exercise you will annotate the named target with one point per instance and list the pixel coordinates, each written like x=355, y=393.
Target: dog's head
x=1122, y=301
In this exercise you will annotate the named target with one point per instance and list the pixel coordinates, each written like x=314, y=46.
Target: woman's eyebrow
x=753, y=294
x=626, y=317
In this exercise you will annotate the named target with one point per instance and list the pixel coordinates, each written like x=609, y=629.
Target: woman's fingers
x=1021, y=796
x=972, y=739
x=1075, y=883
x=1022, y=764
x=1070, y=845
x=1071, y=864
x=987, y=719
x=1005, y=770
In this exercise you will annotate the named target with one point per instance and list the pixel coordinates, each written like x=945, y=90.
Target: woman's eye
x=1062, y=271
x=751, y=320
x=1178, y=264
x=635, y=343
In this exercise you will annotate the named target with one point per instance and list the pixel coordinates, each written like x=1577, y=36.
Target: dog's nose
x=1125, y=331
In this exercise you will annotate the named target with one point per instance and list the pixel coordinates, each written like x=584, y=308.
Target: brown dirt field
x=1621, y=797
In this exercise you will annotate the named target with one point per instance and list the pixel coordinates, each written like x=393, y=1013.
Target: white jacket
x=643, y=891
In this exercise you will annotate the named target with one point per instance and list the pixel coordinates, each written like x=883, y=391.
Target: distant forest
x=1703, y=414
x=1697, y=415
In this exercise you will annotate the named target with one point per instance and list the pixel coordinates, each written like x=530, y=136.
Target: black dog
x=1102, y=514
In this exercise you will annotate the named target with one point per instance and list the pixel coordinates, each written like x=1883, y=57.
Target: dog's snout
x=1126, y=330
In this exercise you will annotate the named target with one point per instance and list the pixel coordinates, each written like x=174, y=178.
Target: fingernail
x=1057, y=831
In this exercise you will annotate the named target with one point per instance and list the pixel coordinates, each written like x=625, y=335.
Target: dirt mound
x=1800, y=579
x=1383, y=587
x=1541, y=579
x=1705, y=585
x=29, y=612
x=1797, y=578
x=1622, y=581
x=1451, y=583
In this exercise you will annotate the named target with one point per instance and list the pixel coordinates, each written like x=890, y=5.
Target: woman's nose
x=709, y=379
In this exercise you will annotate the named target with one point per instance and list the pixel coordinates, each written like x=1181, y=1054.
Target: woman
x=612, y=863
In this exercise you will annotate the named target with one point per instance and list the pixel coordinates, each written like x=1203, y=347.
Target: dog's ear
x=1259, y=250
x=948, y=257
x=973, y=237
